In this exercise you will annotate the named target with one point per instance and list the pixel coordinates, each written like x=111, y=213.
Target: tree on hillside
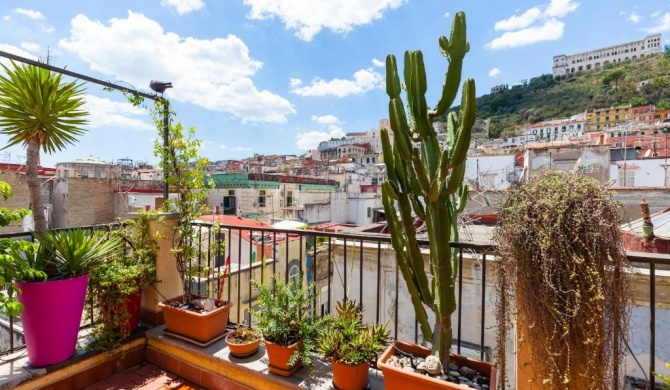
x=39, y=111
x=666, y=51
x=613, y=77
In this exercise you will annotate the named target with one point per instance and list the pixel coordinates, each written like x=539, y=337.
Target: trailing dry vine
x=563, y=267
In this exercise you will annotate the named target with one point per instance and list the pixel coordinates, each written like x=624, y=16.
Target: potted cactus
x=426, y=183
x=243, y=342
x=351, y=346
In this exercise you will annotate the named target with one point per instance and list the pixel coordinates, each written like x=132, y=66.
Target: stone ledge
x=213, y=367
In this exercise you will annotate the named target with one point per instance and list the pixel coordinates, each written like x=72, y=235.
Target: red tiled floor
x=145, y=376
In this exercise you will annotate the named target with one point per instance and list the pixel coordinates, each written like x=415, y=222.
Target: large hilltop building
x=597, y=59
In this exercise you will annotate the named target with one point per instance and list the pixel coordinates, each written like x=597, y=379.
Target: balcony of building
x=355, y=266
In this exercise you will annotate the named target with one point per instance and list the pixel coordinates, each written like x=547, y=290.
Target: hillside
x=545, y=97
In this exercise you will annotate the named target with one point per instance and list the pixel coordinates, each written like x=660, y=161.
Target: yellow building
x=603, y=118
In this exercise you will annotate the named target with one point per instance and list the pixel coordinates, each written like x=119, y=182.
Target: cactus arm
x=392, y=80
x=415, y=258
x=467, y=120
x=400, y=130
x=387, y=152
x=398, y=242
x=454, y=49
x=456, y=178
x=462, y=199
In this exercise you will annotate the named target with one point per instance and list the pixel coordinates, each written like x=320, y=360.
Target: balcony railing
x=362, y=267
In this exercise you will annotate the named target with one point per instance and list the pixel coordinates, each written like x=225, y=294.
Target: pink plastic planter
x=51, y=318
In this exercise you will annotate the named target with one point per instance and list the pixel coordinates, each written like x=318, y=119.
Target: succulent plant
x=425, y=180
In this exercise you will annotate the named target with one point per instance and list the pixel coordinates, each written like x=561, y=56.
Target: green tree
x=613, y=77
x=39, y=111
x=666, y=51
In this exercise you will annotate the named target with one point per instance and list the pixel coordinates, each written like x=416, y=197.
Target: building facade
x=597, y=59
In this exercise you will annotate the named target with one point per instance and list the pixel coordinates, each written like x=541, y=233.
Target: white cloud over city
x=104, y=112
x=308, y=17
x=494, y=72
x=536, y=24
x=362, y=81
x=32, y=14
x=661, y=24
x=311, y=139
x=211, y=73
x=183, y=6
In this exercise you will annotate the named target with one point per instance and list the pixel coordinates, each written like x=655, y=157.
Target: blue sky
x=277, y=77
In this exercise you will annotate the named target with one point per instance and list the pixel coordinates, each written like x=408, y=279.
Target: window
x=77, y=173
x=294, y=272
x=261, y=198
x=231, y=192
x=103, y=174
x=289, y=198
x=626, y=178
x=91, y=173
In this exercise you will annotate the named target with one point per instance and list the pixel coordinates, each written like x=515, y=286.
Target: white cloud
x=378, y=63
x=31, y=47
x=364, y=80
x=446, y=14
x=663, y=24
x=183, y=6
x=14, y=50
x=32, y=14
x=494, y=72
x=655, y=14
x=536, y=24
x=309, y=17
x=48, y=29
x=123, y=115
x=214, y=74
x=312, y=139
x=517, y=22
x=293, y=82
x=6, y=18
x=560, y=8
x=634, y=17
x=326, y=119
x=551, y=30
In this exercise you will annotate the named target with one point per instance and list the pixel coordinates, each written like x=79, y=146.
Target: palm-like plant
x=40, y=111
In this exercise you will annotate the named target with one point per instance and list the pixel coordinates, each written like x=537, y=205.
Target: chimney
x=647, y=226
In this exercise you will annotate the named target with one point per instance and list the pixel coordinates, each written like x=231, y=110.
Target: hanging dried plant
x=563, y=269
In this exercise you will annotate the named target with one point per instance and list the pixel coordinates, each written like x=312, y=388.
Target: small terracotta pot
x=398, y=379
x=279, y=355
x=348, y=377
x=243, y=350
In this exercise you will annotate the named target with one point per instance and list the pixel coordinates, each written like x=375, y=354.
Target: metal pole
x=166, y=130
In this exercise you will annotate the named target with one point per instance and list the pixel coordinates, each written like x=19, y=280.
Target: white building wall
x=490, y=171
x=596, y=59
x=643, y=173
x=360, y=208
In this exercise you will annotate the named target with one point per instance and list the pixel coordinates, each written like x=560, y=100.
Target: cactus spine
x=427, y=182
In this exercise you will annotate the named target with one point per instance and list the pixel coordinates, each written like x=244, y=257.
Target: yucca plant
x=347, y=340
x=39, y=110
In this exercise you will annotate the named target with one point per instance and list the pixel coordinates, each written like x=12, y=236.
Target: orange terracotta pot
x=243, y=350
x=279, y=355
x=200, y=327
x=348, y=377
x=398, y=379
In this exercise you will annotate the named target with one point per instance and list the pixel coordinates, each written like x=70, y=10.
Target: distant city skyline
x=256, y=76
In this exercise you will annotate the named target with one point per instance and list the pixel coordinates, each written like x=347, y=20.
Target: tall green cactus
x=426, y=181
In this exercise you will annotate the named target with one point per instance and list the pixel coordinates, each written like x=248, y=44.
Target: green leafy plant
x=8, y=303
x=126, y=273
x=183, y=173
x=348, y=340
x=426, y=182
x=563, y=270
x=40, y=111
x=284, y=316
x=664, y=378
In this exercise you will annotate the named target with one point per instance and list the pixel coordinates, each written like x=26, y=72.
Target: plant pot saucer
x=282, y=372
x=194, y=341
x=368, y=386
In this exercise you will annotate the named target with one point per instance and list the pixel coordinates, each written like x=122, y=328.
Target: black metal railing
x=371, y=276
